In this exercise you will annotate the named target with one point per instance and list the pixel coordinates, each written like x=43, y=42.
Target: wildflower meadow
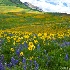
x=30, y=41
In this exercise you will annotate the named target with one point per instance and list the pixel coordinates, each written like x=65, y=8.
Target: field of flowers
x=34, y=41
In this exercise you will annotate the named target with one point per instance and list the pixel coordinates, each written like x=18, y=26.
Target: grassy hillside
x=14, y=6
x=12, y=3
x=19, y=19
x=42, y=40
x=31, y=40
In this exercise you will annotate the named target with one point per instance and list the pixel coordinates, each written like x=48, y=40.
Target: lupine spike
x=25, y=44
x=14, y=61
x=30, y=63
x=1, y=67
x=36, y=65
x=18, y=52
x=24, y=60
x=24, y=67
x=66, y=57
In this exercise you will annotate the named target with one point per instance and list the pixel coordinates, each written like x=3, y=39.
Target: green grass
x=10, y=20
x=14, y=6
x=20, y=25
x=21, y=22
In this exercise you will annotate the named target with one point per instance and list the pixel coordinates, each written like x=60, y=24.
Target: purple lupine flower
x=30, y=63
x=1, y=58
x=36, y=65
x=9, y=65
x=65, y=44
x=14, y=61
x=62, y=45
x=66, y=57
x=25, y=45
x=20, y=47
x=18, y=52
x=35, y=62
x=24, y=67
x=24, y=60
x=1, y=67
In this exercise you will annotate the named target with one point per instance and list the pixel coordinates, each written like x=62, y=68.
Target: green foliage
x=49, y=53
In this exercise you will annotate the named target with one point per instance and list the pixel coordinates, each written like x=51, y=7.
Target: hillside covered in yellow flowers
x=33, y=40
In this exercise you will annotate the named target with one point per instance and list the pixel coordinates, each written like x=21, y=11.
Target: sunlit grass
x=34, y=41
x=5, y=9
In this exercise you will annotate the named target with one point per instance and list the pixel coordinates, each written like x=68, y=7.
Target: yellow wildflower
x=35, y=41
x=40, y=34
x=30, y=43
x=26, y=36
x=18, y=40
x=14, y=39
x=31, y=47
x=8, y=40
x=12, y=49
x=21, y=54
x=34, y=37
x=20, y=63
x=22, y=42
x=5, y=35
x=8, y=37
x=14, y=43
x=31, y=58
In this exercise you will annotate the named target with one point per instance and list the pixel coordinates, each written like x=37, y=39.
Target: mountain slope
x=32, y=6
x=14, y=6
x=12, y=3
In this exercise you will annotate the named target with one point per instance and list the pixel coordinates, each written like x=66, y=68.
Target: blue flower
x=1, y=67
x=24, y=60
x=18, y=52
x=36, y=65
x=24, y=67
x=14, y=61
x=24, y=63
x=9, y=65
x=25, y=45
x=66, y=57
x=20, y=47
x=1, y=58
x=65, y=44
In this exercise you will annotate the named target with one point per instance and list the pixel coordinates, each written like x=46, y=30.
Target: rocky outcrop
x=32, y=6
x=26, y=4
